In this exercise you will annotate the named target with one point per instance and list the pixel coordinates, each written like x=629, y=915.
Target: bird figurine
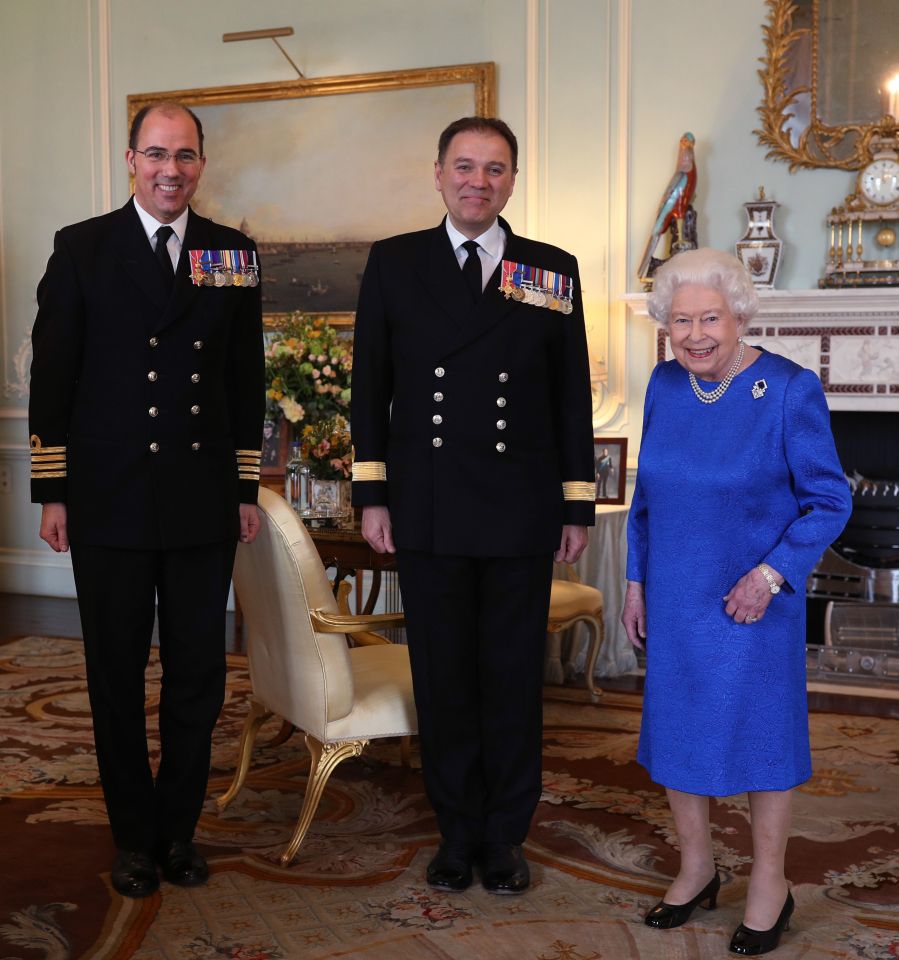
x=674, y=206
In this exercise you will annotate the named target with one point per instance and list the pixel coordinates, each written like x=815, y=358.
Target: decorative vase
x=759, y=249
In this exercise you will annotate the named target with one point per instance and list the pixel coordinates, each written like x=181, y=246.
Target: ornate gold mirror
x=831, y=77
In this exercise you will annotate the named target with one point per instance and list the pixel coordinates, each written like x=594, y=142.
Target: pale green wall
x=47, y=178
x=692, y=66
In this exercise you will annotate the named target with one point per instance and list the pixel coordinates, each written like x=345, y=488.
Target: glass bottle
x=292, y=477
x=304, y=506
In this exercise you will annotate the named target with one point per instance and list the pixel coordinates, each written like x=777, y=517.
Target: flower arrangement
x=326, y=445
x=308, y=371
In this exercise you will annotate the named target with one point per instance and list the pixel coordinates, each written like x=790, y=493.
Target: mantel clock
x=862, y=250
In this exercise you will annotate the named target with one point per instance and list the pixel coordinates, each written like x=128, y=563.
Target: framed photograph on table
x=610, y=459
x=283, y=162
x=275, y=439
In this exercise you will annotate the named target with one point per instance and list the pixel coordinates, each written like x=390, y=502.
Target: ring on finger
x=751, y=619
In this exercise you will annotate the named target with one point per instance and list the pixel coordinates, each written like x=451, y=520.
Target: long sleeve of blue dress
x=818, y=482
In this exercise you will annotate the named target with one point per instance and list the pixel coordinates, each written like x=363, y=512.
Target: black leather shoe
x=752, y=943
x=182, y=865
x=504, y=869
x=451, y=867
x=134, y=874
x=664, y=916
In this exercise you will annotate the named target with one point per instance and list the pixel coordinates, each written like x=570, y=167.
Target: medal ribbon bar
x=224, y=268
x=536, y=286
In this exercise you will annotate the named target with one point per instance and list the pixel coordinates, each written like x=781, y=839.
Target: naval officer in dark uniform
x=147, y=397
x=471, y=421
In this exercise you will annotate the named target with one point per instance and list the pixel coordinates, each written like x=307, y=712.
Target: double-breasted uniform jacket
x=473, y=424
x=146, y=405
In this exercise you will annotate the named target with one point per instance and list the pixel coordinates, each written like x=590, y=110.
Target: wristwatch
x=769, y=576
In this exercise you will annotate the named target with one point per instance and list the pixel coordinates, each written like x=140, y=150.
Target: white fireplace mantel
x=850, y=338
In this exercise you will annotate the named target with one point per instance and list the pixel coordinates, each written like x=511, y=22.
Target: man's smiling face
x=164, y=189
x=475, y=179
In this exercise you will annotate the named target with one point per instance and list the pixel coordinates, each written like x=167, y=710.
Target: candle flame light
x=892, y=89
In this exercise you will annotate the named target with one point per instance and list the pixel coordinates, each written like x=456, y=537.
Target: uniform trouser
x=476, y=629
x=117, y=592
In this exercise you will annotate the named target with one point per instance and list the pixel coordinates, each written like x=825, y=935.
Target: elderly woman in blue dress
x=739, y=491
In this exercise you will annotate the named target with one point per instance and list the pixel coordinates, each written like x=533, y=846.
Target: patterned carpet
x=601, y=848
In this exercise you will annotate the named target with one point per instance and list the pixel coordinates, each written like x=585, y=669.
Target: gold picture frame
x=792, y=127
x=272, y=148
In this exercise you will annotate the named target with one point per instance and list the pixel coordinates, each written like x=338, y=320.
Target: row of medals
x=537, y=297
x=229, y=278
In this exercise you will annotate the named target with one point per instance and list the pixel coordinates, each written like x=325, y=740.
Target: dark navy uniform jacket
x=473, y=424
x=146, y=407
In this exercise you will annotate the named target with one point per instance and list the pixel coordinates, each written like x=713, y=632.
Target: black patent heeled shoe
x=751, y=943
x=664, y=916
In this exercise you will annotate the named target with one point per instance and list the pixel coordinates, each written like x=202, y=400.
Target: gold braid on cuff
x=369, y=470
x=579, y=490
x=46, y=462
x=248, y=464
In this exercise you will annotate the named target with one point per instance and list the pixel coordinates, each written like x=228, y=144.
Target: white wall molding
x=21, y=363
x=543, y=106
x=41, y=573
x=610, y=413
x=98, y=57
x=531, y=152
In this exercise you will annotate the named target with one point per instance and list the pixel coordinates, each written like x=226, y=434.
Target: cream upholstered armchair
x=572, y=602
x=301, y=666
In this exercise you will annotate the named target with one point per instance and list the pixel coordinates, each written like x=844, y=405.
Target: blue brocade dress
x=721, y=488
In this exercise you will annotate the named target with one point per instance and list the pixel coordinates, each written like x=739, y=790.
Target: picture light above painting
x=315, y=170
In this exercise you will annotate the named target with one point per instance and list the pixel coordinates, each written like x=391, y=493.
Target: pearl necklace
x=713, y=396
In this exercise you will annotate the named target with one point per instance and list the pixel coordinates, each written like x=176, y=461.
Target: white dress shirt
x=491, y=247
x=151, y=225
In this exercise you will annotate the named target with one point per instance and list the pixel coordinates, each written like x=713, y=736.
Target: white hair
x=704, y=267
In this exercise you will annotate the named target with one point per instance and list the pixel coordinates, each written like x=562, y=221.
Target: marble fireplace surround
x=850, y=338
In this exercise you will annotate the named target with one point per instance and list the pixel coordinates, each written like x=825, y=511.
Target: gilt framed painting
x=316, y=169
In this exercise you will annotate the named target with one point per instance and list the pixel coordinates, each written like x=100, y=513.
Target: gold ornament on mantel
x=886, y=236
x=861, y=236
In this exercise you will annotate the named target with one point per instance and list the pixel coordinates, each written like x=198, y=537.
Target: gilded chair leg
x=255, y=718
x=325, y=758
x=597, y=636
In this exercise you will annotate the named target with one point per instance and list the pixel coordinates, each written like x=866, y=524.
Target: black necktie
x=471, y=270
x=162, y=254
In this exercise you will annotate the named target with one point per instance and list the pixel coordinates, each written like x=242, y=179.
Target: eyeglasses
x=158, y=155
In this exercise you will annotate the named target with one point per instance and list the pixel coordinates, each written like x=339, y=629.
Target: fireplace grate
x=861, y=642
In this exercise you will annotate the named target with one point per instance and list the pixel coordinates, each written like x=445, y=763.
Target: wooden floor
x=54, y=617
